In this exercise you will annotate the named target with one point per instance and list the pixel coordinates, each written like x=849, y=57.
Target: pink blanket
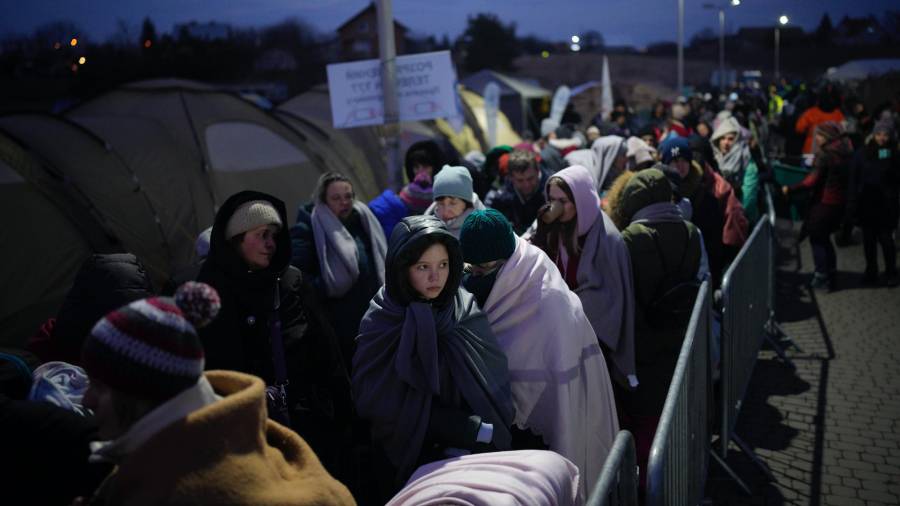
x=560, y=384
x=515, y=478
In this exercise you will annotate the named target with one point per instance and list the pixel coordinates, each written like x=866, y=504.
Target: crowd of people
x=484, y=332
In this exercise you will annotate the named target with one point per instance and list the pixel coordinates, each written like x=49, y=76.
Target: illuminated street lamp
x=782, y=20
x=73, y=42
x=575, y=47
x=576, y=39
x=82, y=60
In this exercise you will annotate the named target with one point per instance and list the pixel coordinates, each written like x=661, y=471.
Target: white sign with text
x=425, y=90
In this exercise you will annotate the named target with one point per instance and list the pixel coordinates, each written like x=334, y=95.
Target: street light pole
x=721, y=9
x=388, y=54
x=777, y=50
x=680, y=46
x=721, y=50
x=782, y=20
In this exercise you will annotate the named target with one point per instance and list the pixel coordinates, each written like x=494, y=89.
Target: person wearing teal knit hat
x=487, y=240
x=529, y=306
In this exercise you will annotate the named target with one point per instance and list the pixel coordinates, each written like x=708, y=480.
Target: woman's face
x=881, y=138
x=339, y=198
x=419, y=168
x=258, y=246
x=726, y=141
x=430, y=272
x=558, y=195
x=448, y=208
x=703, y=130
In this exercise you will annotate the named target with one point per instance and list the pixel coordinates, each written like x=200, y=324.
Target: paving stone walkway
x=829, y=430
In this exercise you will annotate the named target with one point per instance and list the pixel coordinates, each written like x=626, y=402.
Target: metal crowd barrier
x=745, y=320
x=618, y=481
x=676, y=471
x=773, y=329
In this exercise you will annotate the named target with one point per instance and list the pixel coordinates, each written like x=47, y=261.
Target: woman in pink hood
x=593, y=259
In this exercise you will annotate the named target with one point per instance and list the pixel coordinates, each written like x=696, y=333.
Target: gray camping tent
x=516, y=96
x=140, y=169
x=66, y=193
x=237, y=144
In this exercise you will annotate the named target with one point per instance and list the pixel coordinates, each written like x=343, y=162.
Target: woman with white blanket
x=560, y=384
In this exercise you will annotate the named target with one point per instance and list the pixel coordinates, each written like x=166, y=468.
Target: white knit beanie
x=250, y=215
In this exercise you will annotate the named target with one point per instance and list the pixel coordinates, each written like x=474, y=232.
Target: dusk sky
x=622, y=22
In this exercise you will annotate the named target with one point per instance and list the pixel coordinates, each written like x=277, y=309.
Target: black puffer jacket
x=239, y=338
x=104, y=283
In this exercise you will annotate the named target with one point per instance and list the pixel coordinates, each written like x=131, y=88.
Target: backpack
x=673, y=300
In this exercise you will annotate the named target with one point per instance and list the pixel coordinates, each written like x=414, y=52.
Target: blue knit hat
x=485, y=236
x=675, y=147
x=453, y=182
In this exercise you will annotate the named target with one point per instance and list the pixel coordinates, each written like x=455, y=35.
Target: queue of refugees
x=479, y=336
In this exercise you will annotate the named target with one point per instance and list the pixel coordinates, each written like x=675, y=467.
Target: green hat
x=485, y=236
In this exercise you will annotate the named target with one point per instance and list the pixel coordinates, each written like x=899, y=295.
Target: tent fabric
x=515, y=95
x=508, y=85
x=858, y=70
x=189, y=110
x=505, y=132
x=315, y=105
x=66, y=204
x=140, y=169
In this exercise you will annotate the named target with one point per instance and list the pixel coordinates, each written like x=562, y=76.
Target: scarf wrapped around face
x=336, y=249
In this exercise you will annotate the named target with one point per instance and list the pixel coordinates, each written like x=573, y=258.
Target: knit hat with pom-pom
x=149, y=348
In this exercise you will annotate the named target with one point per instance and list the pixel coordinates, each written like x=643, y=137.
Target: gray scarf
x=733, y=164
x=336, y=249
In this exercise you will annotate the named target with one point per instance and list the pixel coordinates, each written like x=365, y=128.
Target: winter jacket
x=829, y=179
x=708, y=216
x=240, y=337
x=875, y=192
x=663, y=254
x=812, y=117
x=46, y=451
x=521, y=212
x=345, y=312
x=227, y=452
x=737, y=227
x=104, y=282
x=389, y=210
x=553, y=154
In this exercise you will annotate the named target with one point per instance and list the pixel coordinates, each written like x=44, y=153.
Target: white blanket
x=560, y=384
x=515, y=478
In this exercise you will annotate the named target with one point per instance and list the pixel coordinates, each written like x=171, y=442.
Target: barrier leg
x=771, y=332
x=777, y=330
x=755, y=458
x=731, y=472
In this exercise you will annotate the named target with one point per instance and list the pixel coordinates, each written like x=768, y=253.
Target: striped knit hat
x=149, y=348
